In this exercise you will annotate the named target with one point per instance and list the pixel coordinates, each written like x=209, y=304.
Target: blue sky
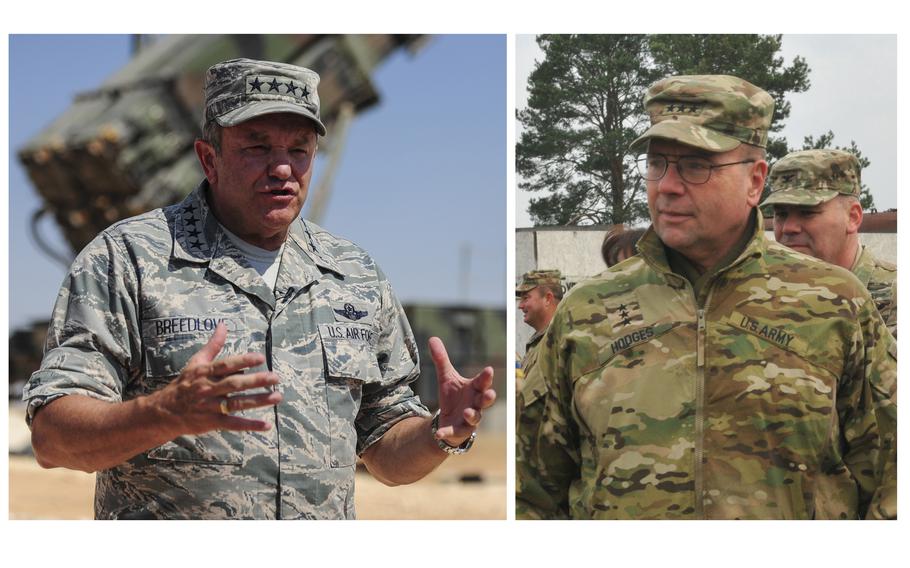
x=422, y=178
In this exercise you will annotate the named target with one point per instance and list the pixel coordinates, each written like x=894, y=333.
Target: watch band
x=447, y=448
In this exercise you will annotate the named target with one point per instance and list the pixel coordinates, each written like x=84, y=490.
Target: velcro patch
x=349, y=311
x=187, y=325
x=636, y=337
x=775, y=334
x=347, y=332
x=625, y=315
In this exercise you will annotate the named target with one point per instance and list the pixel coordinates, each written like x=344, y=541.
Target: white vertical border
x=510, y=276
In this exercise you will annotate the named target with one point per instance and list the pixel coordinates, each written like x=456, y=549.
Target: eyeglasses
x=692, y=169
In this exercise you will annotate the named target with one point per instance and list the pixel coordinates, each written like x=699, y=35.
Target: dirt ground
x=472, y=486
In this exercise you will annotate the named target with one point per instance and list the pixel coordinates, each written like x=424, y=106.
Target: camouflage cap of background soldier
x=716, y=113
x=812, y=177
x=535, y=278
x=241, y=89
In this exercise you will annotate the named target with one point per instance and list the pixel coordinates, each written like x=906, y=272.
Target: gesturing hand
x=197, y=400
x=461, y=400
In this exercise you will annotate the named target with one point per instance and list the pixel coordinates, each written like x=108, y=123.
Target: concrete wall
x=576, y=252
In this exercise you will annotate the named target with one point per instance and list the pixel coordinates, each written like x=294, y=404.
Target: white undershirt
x=265, y=262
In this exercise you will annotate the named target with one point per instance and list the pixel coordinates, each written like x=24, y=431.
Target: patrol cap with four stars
x=716, y=113
x=812, y=177
x=241, y=89
x=535, y=278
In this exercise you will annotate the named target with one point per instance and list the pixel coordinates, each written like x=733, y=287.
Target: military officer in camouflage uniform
x=223, y=358
x=538, y=295
x=717, y=375
x=815, y=195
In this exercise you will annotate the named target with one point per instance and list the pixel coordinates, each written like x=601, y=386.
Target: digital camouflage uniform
x=771, y=396
x=768, y=394
x=812, y=177
x=146, y=295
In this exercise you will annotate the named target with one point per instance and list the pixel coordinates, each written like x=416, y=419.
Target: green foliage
x=585, y=108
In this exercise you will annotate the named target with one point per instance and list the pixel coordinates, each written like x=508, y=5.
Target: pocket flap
x=349, y=351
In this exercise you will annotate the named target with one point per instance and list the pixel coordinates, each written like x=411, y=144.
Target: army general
x=223, y=358
x=717, y=375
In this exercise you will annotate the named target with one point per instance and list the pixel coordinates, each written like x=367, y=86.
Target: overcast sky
x=853, y=93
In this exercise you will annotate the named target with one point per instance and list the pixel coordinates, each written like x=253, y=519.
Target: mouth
x=674, y=215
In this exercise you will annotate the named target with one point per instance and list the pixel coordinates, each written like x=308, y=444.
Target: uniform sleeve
x=385, y=403
x=547, y=453
x=91, y=347
x=867, y=410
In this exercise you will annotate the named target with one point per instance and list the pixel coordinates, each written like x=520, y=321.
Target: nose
x=671, y=183
x=790, y=225
x=280, y=164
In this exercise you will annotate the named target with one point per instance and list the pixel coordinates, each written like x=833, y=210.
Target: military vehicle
x=127, y=147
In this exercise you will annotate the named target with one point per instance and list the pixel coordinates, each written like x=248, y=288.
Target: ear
x=756, y=182
x=854, y=217
x=206, y=154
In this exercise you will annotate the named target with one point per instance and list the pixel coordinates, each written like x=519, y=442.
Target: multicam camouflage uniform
x=770, y=395
x=530, y=280
x=880, y=278
x=812, y=177
x=146, y=295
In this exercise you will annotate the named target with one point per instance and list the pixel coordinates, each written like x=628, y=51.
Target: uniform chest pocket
x=166, y=354
x=350, y=365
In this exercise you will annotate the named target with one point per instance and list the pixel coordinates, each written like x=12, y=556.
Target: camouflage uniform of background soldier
x=811, y=180
x=762, y=387
x=327, y=333
x=530, y=386
x=529, y=281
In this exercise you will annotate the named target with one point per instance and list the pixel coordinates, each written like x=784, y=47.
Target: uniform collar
x=863, y=266
x=653, y=250
x=199, y=237
x=535, y=338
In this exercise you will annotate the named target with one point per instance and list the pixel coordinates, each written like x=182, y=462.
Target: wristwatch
x=449, y=449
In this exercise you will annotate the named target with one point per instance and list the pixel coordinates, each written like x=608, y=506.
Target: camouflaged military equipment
x=770, y=396
x=146, y=295
x=712, y=112
x=811, y=177
x=535, y=278
x=241, y=89
x=127, y=147
x=880, y=278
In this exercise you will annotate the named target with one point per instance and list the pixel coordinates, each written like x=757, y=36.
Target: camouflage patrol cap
x=241, y=89
x=716, y=113
x=535, y=278
x=811, y=177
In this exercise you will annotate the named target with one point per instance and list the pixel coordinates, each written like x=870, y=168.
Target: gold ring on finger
x=224, y=406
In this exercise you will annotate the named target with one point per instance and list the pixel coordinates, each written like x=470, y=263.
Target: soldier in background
x=619, y=244
x=538, y=295
x=223, y=358
x=815, y=196
x=717, y=374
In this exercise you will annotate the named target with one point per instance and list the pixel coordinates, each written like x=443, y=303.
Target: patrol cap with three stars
x=716, y=113
x=535, y=278
x=812, y=177
x=241, y=89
